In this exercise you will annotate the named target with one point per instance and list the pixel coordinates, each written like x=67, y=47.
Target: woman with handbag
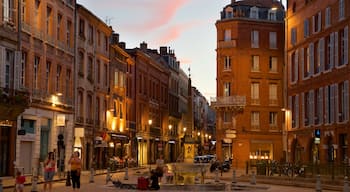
x=75, y=166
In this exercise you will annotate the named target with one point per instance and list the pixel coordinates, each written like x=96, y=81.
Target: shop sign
x=21, y=132
x=230, y=134
x=61, y=120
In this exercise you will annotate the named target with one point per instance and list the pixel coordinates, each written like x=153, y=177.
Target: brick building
x=318, y=80
x=250, y=44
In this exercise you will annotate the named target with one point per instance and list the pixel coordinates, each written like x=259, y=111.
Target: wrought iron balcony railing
x=228, y=101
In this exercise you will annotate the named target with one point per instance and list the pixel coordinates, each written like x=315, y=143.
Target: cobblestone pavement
x=99, y=184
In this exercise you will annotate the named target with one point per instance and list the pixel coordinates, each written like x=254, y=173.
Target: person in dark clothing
x=154, y=180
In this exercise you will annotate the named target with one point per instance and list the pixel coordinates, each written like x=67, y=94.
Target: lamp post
x=149, y=160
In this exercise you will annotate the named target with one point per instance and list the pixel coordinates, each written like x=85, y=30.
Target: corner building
x=250, y=44
x=317, y=44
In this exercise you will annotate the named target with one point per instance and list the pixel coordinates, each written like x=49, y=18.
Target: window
x=36, y=72
x=37, y=14
x=80, y=110
x=273, y=64
x=227, y=117
x=341, y=9
x=59, y=24
x=82, y=28
x=81, y=63
x=273, y=40
x=306, y=28
x=254, y=91
x=273, y=119
x=227, y=35
x=272, y=15
x=106, y=75
x=68, y=83
x=306, y=98
x=329, y=103
x=319, y=64
x=91, y=34
x=255, y=120
x=116, y=78
x=255, y=39
x=343, y=53
x=294, y=67
x=328, y=17
x=98, y=65
x=343, y=101
x=227, y=89
x=255, y=63
x=254, y=13
x=329, y=52
x=49, y=21
x=24, y=11
x=106, y=43
x=294, y=105
x=9, y=63
x=273, y=94
x=8, y=13
x=69, y=33
x=293, y=39
x=90, y=68
x=318, y=106
x=28, y=126
x=97, y=114
x=89, y=108
x=316, y=22
x=23, y=69
x=47, y=76
x=58, y=78
x=227, y=63
x=98, y=38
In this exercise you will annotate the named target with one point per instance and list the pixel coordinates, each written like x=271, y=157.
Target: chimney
x=122, y=45
x=163, y=50
x=143, y=46
x=115, y=38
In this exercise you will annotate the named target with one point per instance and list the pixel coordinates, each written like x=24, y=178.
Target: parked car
x=204, y=159
x=222, y=166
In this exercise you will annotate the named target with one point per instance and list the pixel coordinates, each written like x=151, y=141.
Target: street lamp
x=149, y=124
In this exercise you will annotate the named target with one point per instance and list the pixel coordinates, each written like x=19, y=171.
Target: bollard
x=216, y=175
x=68, y=183
x=234, y=177
x=108, y=177
x=126, y=176
x=92, y=173
x=0, y=185
x=318, y=183
x=34, y=181
x=346, y=184
x=253, y=180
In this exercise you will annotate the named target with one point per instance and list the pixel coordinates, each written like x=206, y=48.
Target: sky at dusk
x=186, y=26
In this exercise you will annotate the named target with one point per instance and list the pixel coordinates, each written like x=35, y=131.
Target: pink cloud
x=173, y=32
x=185, y=61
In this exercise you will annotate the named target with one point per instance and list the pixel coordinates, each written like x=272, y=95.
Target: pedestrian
x=160, y=167
x=20, y=179
x=49, y=170
x=75, y=166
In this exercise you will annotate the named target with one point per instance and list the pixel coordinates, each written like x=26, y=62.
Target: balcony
x=236, y=103
x=227, y=44
x=12, y=103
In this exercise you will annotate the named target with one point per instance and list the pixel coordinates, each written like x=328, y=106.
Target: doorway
x=26, y=156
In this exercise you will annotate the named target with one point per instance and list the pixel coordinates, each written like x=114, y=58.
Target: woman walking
x=75, y=166
x=49, y=170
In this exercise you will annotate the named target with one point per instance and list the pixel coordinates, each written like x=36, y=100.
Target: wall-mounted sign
x=61, y=120
x=21, y=132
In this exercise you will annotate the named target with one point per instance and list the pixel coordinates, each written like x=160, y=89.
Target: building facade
x=250, y=36
x=318, y=80
x=92, y=88
x=46, y=70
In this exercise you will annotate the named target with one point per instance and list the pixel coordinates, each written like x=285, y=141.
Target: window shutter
x=290, y=67
x=296, y=75
x=336, y=103
x=346, y=45
x=331, y=56
x=321, y=58
x=302, y=62
x=303, y=109
x=18, y=67
x=332, y=107
x=297, y=111
x=319, y=23
x=346, y=100
x=2, y=66
x=320, y=105
x=313, y=24
x=312, y=63
x=336, y=54
x=326, y=104
x=311, y=108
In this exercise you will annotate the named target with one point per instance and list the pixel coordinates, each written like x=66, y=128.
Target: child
x=20, y=179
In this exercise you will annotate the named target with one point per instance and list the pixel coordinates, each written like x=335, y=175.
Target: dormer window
x=272, y=15
x=254, y=13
